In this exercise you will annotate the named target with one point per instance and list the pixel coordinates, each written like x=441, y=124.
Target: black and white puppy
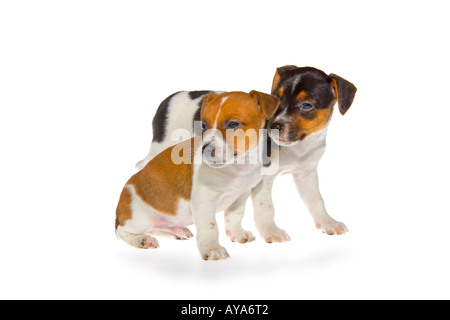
x=308, y=96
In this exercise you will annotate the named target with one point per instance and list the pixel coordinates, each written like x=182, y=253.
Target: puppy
x=308, y=96
x=173, y=189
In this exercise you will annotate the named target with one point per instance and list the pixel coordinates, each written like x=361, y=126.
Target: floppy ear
x=279, y=73
x=344, y=91
x=268, y=103
x=207, y=99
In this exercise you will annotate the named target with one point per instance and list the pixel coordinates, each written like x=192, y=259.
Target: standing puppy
x=167, y=195
x=308, y=96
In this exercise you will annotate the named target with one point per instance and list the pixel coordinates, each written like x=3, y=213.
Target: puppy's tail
x=141, y=164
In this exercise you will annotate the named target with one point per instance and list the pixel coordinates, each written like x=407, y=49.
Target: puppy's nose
x=212, y=149
x=276, y=126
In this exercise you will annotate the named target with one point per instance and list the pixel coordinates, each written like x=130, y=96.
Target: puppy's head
x=231, y=123
x=307, y=98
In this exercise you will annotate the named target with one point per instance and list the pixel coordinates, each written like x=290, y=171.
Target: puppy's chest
x=235, y=187
x=300, y=158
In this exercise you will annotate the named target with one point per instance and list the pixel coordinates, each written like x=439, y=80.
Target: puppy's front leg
x=233, y=221
x=204, y=214
x=265, y=213
x=308, y=186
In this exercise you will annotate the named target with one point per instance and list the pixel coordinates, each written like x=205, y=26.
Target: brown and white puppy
x=308, y=96
x=175, y=189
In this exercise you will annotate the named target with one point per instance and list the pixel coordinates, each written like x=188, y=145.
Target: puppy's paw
x=275, y=234
x=331, y=227
x=148, y=242
x=218, y=253
x=185, y=234
x=240, y=236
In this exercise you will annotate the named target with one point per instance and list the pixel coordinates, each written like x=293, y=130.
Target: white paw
x=274, y=234
x=184, y=234
x=331, y=227
x=240, y=236
x=148, y=242
x=218, y=253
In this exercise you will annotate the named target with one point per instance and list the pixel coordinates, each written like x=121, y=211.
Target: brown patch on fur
x=307, y=127
x=280, y=92
x=162, y=182
x=276, y=80
x=302, y=95
x=335, y=88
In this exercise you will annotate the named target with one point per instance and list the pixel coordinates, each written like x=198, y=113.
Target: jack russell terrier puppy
x=307, y=96
x=177, y=188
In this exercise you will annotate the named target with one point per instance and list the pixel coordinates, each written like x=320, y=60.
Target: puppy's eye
x=203, y=126
x=306, y=106
x=233, y=125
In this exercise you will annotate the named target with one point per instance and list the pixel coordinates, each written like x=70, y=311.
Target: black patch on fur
x=160, y=120
x=308, y=115
x=197, y=94
x=197, y=113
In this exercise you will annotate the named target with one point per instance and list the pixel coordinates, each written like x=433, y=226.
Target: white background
x=80, y=82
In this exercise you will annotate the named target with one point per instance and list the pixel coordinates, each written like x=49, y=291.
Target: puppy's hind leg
x=133, y=220
x=178, y=233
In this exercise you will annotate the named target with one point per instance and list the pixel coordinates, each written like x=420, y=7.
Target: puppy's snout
x=210, y=148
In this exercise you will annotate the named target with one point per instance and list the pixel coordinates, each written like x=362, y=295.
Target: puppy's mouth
x=283, y=141
x=216, y=164
x=287, y=143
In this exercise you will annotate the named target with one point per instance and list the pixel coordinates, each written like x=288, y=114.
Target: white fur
x=218, y=113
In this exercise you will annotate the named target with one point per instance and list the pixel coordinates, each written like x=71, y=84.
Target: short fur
x=302, y=144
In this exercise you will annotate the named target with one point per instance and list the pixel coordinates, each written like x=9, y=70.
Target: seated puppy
x=175, y=189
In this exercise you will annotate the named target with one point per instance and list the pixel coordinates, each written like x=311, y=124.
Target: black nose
x=276, y=126
x=212, y=148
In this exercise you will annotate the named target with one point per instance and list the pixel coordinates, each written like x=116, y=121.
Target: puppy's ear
x=279, y=73
x=268, y=103
x=344, y=91
x=208, y=98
